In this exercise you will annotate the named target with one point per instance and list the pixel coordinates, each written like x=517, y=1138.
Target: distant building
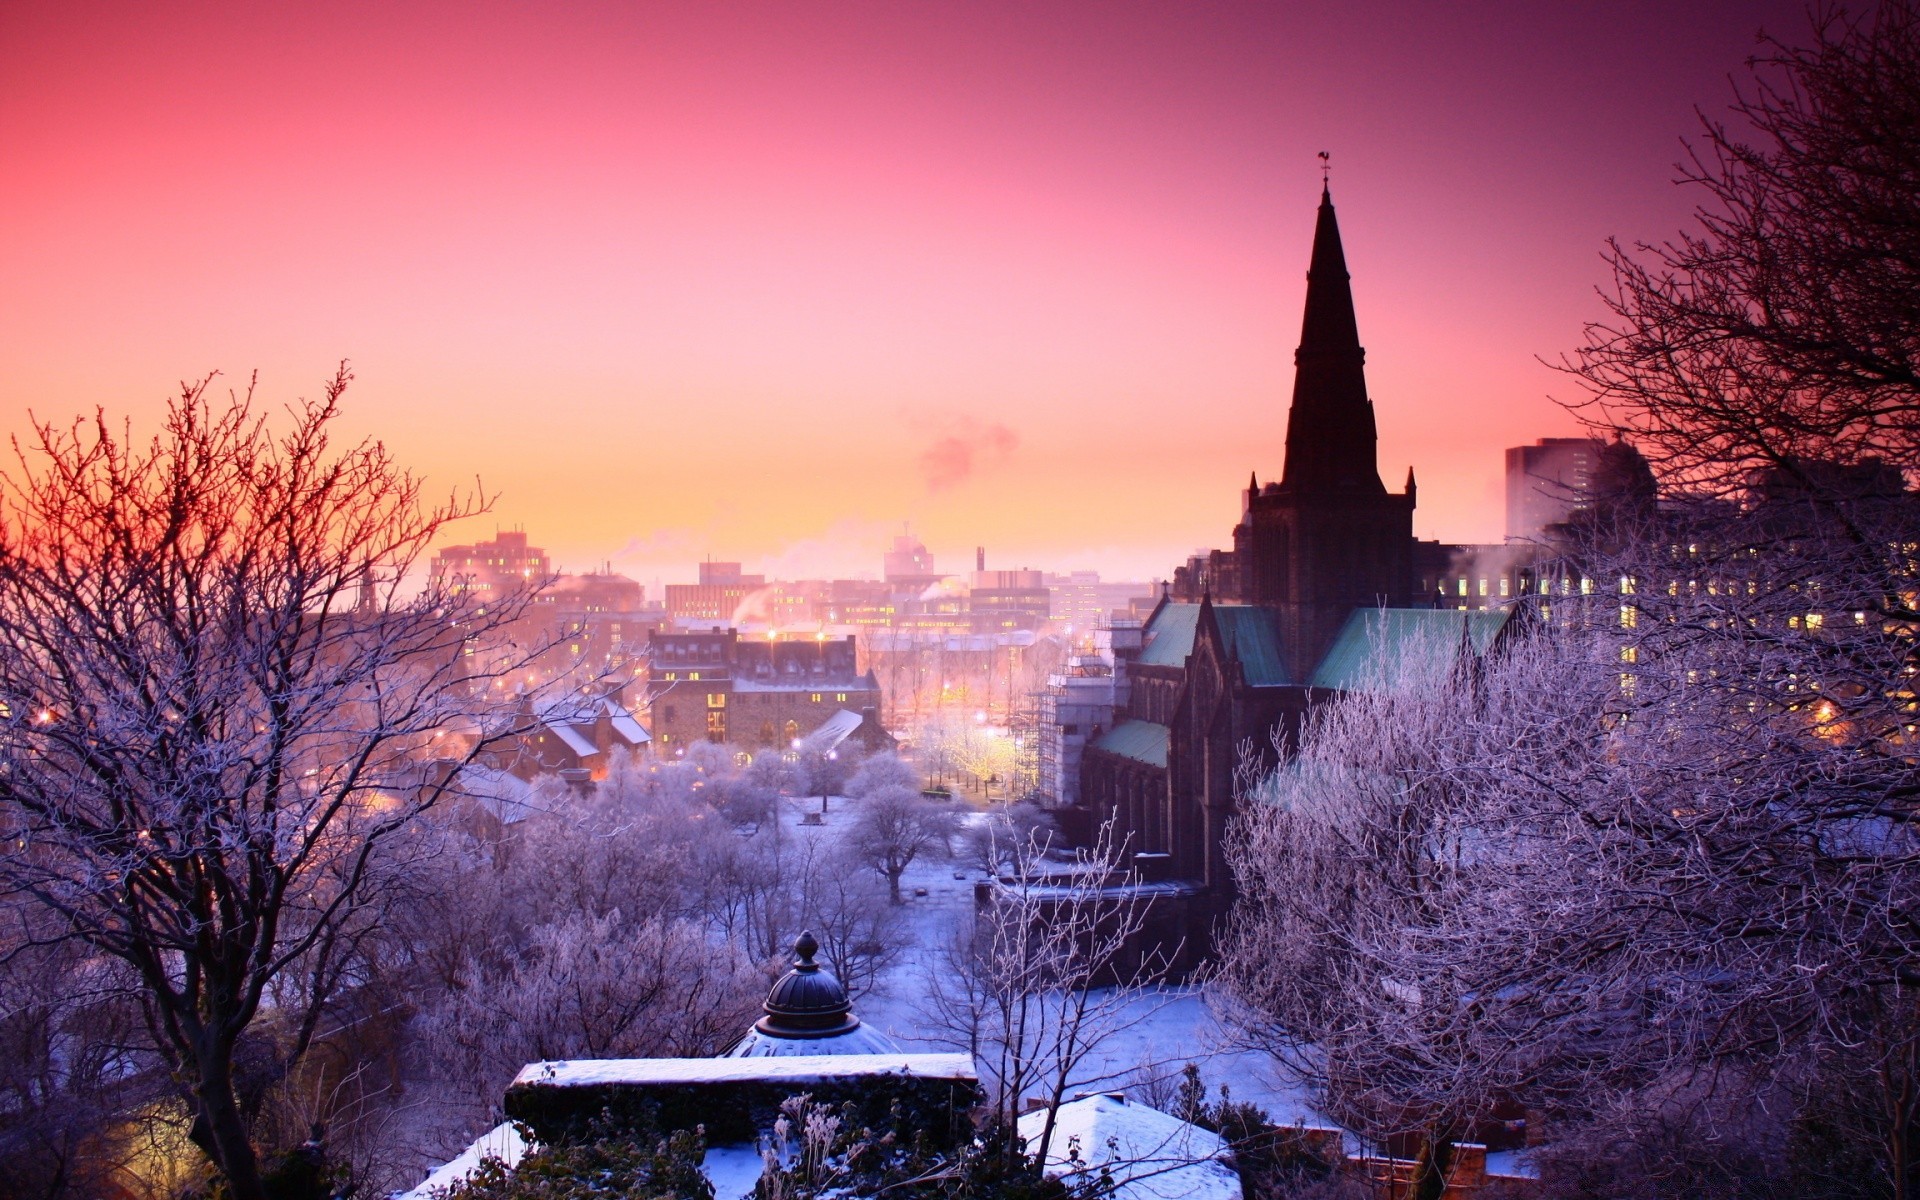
x=488, y=569
x=1548, y=482
x=1006, y=600
x=1079, y=704
x=714, y=685
x=909, y=565
x=723, y=591
x=719, y=574
x=1082, y=601
x=595, y=624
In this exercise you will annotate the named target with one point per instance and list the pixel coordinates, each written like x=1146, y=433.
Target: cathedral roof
x=1253, y=640
x=1141, y=741
x=1168, y=637
x=1373, y=637
x=1331, y=439
x=1251, y=634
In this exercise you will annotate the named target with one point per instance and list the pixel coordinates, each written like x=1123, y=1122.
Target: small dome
x=807, y=1012
x=807, y=1002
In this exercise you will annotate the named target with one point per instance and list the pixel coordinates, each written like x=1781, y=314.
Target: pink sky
x=762, y=281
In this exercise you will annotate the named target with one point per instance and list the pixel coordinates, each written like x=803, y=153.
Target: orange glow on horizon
x=764, y=281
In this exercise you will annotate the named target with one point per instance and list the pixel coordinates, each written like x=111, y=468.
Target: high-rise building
x=487, y=569
x=1548, y=482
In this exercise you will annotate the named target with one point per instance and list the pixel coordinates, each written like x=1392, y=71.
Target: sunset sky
x=762, y=281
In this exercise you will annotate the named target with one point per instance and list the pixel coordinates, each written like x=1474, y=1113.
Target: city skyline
x=761, y=285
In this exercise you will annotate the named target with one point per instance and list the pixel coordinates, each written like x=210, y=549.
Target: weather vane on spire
x=1326, y=169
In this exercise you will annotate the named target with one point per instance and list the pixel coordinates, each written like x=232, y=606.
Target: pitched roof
x=574, y=737
x=1253, y=639
x=1375, y=637
x=1142, y=741
x=1168, y=636
x=831, y=732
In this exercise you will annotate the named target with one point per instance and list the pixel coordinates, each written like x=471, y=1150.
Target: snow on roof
x=812, y=1068
x=574, y=739
x=503, y=1142
x=862, y=1039
x=506, y=796
x=1152, y=1156
x=625, y=725
x=831, y=732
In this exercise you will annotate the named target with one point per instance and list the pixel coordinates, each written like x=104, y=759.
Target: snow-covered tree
x=893, y=826
x=1045, y=974
x=217, y=698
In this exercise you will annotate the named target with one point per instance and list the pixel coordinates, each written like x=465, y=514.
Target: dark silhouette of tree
x=1784, y=329
x=219, y=705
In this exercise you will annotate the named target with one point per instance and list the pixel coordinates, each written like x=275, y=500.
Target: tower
x=1328, y=537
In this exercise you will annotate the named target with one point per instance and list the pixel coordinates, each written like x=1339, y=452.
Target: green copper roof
x=1254, y=640
x=1373, y=637
x=1142, y=741
x=1169, y=635
x=1251, y=634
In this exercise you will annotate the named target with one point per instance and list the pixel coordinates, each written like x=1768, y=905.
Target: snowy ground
x=1159, y=1034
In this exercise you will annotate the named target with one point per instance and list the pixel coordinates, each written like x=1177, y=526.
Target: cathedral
x=1324, y=575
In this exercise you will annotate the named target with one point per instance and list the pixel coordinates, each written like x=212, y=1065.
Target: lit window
x=1627, y=616
x=716, y=699
x=816, y=697
x=694, y=676
x=1503, y=585
x=1630, y=654
x=840, y=696
x=1815, y=620
x=1463, y=587
x=1483, y=585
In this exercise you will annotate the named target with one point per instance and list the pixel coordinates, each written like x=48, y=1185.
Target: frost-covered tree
x=217, y=696
x=893, y=826
x=1047, y=973
x=1603, y=861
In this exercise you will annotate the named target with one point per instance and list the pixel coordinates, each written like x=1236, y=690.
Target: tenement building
x=1324, y=577
x=715, y=685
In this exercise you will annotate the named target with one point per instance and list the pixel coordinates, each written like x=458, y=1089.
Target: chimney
x=979, y=558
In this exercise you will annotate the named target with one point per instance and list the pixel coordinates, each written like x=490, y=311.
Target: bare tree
x=1048, y=972
x=998, y=836
x=853, y=916
x=1769, y=359
x=217, y=706
x=592, y=987
x=1785, y=328
x=895, y=825
x=72, y=1073
x=1606, y=861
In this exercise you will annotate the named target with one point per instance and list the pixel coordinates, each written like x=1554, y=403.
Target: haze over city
x=763, y=282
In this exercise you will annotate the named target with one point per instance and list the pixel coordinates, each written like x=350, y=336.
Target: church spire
x=1330, y=431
